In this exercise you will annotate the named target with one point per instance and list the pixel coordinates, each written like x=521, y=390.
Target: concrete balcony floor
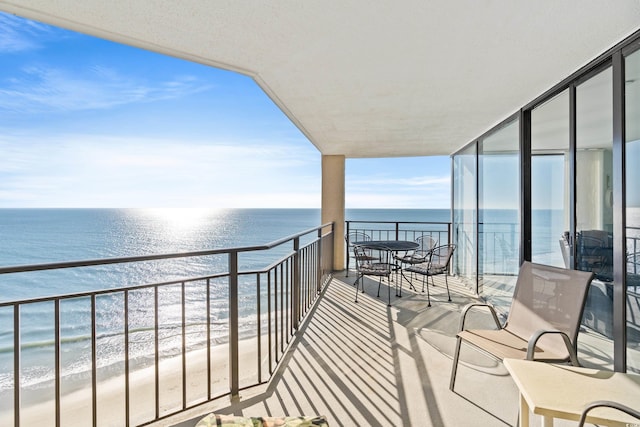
x=368, y=364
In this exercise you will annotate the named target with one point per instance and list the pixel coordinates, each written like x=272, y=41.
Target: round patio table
x=391, y=246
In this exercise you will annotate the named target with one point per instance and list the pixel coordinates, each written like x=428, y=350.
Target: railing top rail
x=400, y=222
x=122, y=260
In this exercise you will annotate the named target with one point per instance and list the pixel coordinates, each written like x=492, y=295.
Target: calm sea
x=34, y=236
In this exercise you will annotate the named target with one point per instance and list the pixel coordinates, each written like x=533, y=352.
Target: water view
x=36, y=236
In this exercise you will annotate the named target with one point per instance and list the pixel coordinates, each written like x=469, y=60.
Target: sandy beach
x=76, y=407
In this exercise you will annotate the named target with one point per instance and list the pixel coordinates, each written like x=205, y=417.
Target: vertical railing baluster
x=94, y=362
x=282, y=307
x=259, y=326
x=288, y=299
x=57, y=358
x=127, y=384
x=296, y=283
x=320, y=262
x=156, y=344
x=269, y=341
x=305, y=281
x=234, y=382
x=16, y=365
x=276, y=314
x=184, y=344
x=208, y=323
x=347, y=251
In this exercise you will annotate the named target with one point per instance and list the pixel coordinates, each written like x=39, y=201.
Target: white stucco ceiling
x=370, y=78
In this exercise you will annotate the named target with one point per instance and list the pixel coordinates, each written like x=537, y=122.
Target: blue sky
x=90, y=123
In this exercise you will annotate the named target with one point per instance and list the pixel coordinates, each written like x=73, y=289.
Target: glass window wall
x=550, y=182
x=499, y=215
x=594, y=212
x=464, y=215
x=632, y=131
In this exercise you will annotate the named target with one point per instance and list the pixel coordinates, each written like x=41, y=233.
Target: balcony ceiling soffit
x=370, y=79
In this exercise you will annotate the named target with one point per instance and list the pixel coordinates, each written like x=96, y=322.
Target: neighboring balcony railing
x=181, y=329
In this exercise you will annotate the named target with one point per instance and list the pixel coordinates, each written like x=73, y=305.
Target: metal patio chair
x=358, y=236
x=379, y=267
x=543, y=321
x=437, y=263
x=421, y=254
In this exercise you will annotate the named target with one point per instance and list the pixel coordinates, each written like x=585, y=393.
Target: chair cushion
x=219, y=420
x=503, y=344
x=375, y=268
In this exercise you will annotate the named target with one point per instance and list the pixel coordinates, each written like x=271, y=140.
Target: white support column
x=333, y=204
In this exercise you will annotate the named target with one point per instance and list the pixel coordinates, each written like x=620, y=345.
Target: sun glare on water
x=182, y=218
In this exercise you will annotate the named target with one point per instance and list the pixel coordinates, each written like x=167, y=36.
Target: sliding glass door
x=550, y=182
x=594, y=204
x=499, y=214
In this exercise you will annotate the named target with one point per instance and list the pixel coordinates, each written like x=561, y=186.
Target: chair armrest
x=607, y=404
x=533, y=341
x=465, y=310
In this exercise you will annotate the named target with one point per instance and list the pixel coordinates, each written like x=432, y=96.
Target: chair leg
x=447, y=283
x=357, y=284
x=380, y=284
x=411, y=286
x=454, y=368
x=428, y=295
x=389, y=293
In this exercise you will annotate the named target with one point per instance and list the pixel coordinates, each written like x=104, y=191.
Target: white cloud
x=417, y=181
x=91, y=171
x=19, y=34
x=40, y=89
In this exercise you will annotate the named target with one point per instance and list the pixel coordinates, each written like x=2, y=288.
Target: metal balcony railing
x=399, y=230
x=148, y=324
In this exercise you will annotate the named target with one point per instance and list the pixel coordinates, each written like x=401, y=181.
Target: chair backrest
x=441, y=257
x=356, y=236
x=426, y=243
x=548, y=297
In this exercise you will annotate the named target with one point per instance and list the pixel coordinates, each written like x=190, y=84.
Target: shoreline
x=76, y=406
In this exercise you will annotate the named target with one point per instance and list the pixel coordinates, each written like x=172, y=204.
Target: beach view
x=311, y=214
x=78, y=234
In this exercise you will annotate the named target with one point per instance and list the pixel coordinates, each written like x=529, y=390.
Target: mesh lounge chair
x=380, y=268
x=438, y=263
x=358, y=236
x=543, y=320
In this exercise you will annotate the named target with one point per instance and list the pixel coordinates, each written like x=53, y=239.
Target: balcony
x=370, y=364
x=310, y=349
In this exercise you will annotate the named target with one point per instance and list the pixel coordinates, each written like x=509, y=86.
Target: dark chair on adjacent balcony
x=357, y=236
x=437, y=263
x=595, y=253
x=379, y=267
x=543, y=321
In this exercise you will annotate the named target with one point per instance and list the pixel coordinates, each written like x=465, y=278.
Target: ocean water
x=35, y=236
